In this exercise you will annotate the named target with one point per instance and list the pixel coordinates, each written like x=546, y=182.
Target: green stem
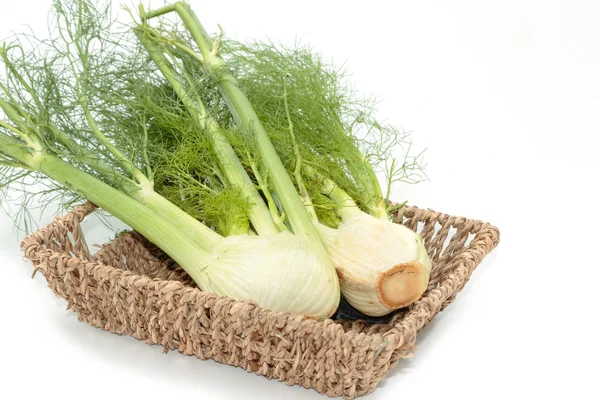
x=84, y=155
x=21, y=130
x=160, y=231
x=13, y=101
x=246, y=117
x=198, y=232
x=17, y=114
x=13, y=149
x=347, y=206
x=13, y=164
x=149, y=171
x=366, y=179
x=81, y=83
x=155, y=13
x=87, y=156
x=390, y=181
x=14, y=72
x=124, y=161
x=308, y=204
x=259, y=214
x=376, y=206
x=267, y=193
x=16, y=132
x=142, y=192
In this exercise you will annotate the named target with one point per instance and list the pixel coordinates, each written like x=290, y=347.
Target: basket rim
x=398, y=342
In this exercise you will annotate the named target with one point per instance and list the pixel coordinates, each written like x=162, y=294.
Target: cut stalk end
x=402, y=285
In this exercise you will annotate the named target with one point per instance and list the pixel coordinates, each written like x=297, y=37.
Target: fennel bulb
x=282, y=273
x=382, y=266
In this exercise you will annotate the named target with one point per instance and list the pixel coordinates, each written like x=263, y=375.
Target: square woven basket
x=130, y=287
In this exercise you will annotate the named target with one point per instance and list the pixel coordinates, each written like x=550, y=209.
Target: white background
x=506, y=97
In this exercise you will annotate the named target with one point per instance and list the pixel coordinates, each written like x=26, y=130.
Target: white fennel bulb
x=282, y=272
x=382, y=266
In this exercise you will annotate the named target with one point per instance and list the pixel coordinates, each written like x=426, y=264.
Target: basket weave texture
x=130, y=287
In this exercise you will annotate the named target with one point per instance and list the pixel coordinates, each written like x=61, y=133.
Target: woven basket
x=130, y=287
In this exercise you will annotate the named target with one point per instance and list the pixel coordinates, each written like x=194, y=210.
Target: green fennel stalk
x=248, y=121
x=229, y=163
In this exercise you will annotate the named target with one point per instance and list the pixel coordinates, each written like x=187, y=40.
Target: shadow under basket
x=130, y=287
